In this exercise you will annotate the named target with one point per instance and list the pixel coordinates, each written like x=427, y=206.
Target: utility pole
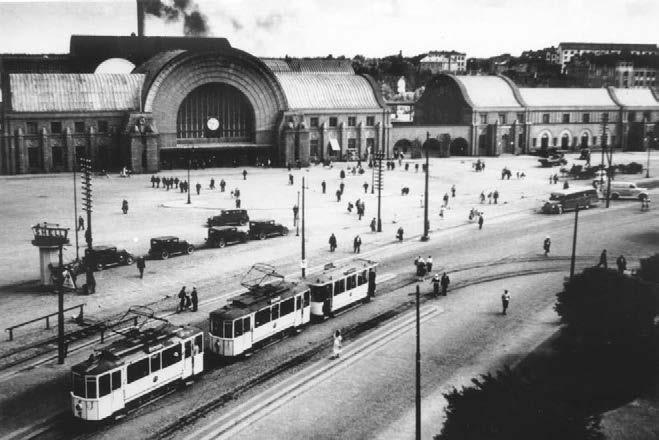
x=297, y=223
x=574, y=242
x=86, y=168
x=648, y=144
x=426, y=223
x=418, y=364
x=304, y=261
x=61, y=351
x=379, y=183
x=605, y=120
x=609, y=170
x=75, y=202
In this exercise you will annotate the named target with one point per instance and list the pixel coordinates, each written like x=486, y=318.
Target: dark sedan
x=262, y=229
x=163, y=247
x=99, y=257
x=220, y=236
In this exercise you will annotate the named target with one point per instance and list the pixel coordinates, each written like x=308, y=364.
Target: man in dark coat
x=223, y=185
x=365, y=187
x=357, y=244
x=342, y=174
x=338, y=195
x=332, y=243
x=399, y=234
x=480, y=221
x=445, y=282
x=198, y=186
x=140, y=266
x=603, y=262
x=290, y=179
x=621, y=261
x=244, y=174
x=546, y=245
x=194, y=299
x=182, y=295
x=212, y=185
x=124, y=206
x=323, y=185
x=435, y=284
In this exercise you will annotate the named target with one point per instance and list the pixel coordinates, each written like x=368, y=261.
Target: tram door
x=188, y=360
x=193, y=356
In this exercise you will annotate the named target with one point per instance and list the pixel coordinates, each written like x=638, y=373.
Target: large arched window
x=218, y=112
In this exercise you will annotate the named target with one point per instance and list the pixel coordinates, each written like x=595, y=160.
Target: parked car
x=630, y=168
x=99, y=257
x=220, y=236
x=163, y=247
x=262, y=229
x=628, y=190
x=229, y=217
x=553, y=162
x=567, y=200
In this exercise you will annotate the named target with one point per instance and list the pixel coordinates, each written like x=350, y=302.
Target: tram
x=339, y=287
x=130, y=369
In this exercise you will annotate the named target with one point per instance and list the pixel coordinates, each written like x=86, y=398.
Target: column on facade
x=152, y=159
x=322, y=133
x=343, y=141
x=361, y=140
x=474, y=139
x=92, y=146
x=21, y=156
x=70, y=149
x=494, y=138
x=46, y=151
x=304, y=144
x=513, y=131
x=378, y=137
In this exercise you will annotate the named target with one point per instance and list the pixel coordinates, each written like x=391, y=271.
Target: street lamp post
x=75, y=202
x=426, y=224
x=297, y=224
x=379, y=182
x=304, y=261
x=574, y=242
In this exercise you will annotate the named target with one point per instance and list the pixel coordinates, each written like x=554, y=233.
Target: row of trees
x=605, y=355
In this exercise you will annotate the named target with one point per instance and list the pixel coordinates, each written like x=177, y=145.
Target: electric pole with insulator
x=379, y=182
x=86, y=177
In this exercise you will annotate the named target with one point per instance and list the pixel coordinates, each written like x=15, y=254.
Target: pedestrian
x=237, y=203
x=182, y=294
x=420, y=267
x=505, y=300
x=435, y=284
x=157, y=182
x=288, y=166
x=176, y=181
x=399, y=234
x=212, y=185
x=495, y=196
x=489, y=198
x=551, y=179
x=445, y=283
x=482, y=197
x=603, y=262
x=373, y=225
x=81, y=223
x=140, y=266
x=555, y=179
x=244, y=174
x=360, y=210
x=407, y=166
x=365, y=187
x=332, y=242
x=566, y=185
x=445, y=198
x=290, y=179
x=124, y=206
x=480, y=221
x=350, y=205
x=323, y=185
x=622, y=264
x=546, y=245
x=342, y=174
x=296, y=209
x=429, y=263
x=342, y=186
x=198, y=186
x=453, y=191
x=194, y=299
x=223, y=184
x=337, y=344
x=188, y=301
x=357, y=244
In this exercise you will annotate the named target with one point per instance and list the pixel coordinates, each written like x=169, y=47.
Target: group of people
x=187, y=301
x=621, y=262
x=442, y=282
x=360, y=206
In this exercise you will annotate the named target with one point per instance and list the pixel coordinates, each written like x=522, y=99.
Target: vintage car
x=229, y=217
x=163, y=247
x=262, y=229
x=99, y=257
x=625, y=190
x=570, y=199
x=553, y=161
x=220, y=236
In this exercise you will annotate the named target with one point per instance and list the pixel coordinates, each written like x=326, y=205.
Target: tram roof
x=134, y=345
x=257, y=298
x=337, y=272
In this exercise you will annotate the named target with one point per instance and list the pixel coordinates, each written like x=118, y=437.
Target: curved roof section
x=635, y=98
x=487, y=91
x=327, y=91
x=56, y=92
x=566, y=97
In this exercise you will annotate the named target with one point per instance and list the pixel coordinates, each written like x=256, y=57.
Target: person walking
x=453, y=191
x=603, y=263
x=182, y=294
x=480, y=221
x=290, y=179
x=337, y=344
x=441, y=212
x=223, y=185
x=621, y=262
x=342, y=186
x=198, y=186
x=332, y=243
x=505, y=301
x=399, y=234
x=244, y=174
x=429, y=263
x=323, y=185
x=176, y=182
x=357, y=244
x=153, y=181
x=435, y=284
x=495, y=196
x=365, y=185
x=338, y=195
x=342, y=174
x=482, y=197
x=296, y=209
x=373, y=225
x=124, y=206
x=212, y=185
x=237, y=203
x=445, y=283
x=81, y=223
x=141, y=265
x=546, y=245
x=194, y=298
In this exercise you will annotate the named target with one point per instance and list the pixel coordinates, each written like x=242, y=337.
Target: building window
x=333, y=121
x=585, y=118
x=352, y=121
x=502, y=118
x=55, y=127
x=31, y=127
x=483, y=117
x=79, y=126
x=631, y=116
x=370, y=121
x=520, y=118
x=566, y=118
x=534, y=142
x=555, y=142
x=545, y=118
x=313, y=122
x=352, y=143
x=314, y=149
x=594, y=140
x=605, y=117
x=102, y=126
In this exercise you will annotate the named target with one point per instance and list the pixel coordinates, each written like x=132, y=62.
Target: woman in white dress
x=336, y=349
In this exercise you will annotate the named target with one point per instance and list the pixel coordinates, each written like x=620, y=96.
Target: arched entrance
x=459, y=147
x=544, y=141
x=565, y=141
x=508, y=145
x=584, y=140
x=402, y=146
x=433, y=147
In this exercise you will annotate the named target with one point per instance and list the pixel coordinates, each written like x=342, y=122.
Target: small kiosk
x=50, y=238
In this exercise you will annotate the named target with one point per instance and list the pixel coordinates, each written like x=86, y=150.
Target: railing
x=46, y=317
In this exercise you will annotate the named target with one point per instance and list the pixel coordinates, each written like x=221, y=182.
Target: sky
x=373, y=28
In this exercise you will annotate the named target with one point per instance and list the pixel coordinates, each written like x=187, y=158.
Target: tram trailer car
x=339, y=287
x=256, y=316
x=133, y=367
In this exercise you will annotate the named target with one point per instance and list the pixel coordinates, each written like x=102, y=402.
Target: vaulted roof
x=488, y=91
x=639, y=98
x=567, y=97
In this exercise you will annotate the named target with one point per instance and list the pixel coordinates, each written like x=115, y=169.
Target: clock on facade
x=213, y=124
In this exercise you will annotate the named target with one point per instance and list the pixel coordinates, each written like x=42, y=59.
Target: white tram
x=257, y=315
x=133, y=367
x=341, y=286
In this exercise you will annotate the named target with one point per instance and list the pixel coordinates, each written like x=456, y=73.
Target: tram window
x=238, y=327
x=104, y=385
x=155, y=362
x=171, y=356
x=116, y=380
x=362, y=278
x=306, y=299
x=262, y=317
x=137, y=370
x=339, y=287
x=188, y=349
x=91, y=387
x=275, y=312
x=228, y=333
x=298, y=303
x=247, y=324
x=321, y=293
x=351, y=282
x=216, y=327
x=78, y=385
x=199, y=343
x=287, y=307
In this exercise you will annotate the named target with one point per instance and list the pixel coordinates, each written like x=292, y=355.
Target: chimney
x=140, y=18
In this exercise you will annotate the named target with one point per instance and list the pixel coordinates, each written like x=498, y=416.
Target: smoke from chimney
x=194, y=22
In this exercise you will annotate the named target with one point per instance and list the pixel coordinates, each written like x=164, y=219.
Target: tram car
x=132, y=368
x=254, y=317
x=339, y=287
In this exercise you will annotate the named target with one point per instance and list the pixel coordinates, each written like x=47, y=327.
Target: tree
x=511, y=406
